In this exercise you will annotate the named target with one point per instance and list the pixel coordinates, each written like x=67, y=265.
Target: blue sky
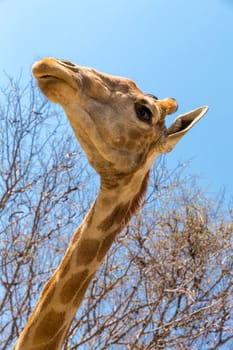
x=181, y=48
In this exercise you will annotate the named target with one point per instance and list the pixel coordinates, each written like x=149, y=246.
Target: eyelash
x=143, y=113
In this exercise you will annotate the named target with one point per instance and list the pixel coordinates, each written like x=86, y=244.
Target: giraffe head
x=118, y=126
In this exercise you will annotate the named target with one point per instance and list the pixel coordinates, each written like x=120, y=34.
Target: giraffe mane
x=137, y=201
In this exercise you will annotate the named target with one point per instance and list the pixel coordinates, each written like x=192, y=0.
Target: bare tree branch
x=167, y=282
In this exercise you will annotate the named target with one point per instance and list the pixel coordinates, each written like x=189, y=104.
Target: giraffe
x=122, y=131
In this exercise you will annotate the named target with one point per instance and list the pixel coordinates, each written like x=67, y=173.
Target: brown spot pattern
x=48, y=293
x=79, y=297
x=88, y=221
x=47, y=300
x=72, y=286
x=134, y=134
x=54, y=344
x=87, y=251
x=116, y=217
x=49, y=326
x=105, y=245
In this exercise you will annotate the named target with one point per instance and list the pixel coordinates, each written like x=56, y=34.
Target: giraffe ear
x=181, y=126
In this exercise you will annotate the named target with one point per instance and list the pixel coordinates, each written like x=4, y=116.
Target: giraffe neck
x=63, y=294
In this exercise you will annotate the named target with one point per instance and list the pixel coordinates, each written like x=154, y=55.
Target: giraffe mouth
x=47, y=82
x=47, y=77
x=50, y=79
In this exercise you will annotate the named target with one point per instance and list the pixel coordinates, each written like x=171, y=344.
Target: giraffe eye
x=143, y=113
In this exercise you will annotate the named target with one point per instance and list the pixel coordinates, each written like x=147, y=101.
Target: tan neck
x=63, y=294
